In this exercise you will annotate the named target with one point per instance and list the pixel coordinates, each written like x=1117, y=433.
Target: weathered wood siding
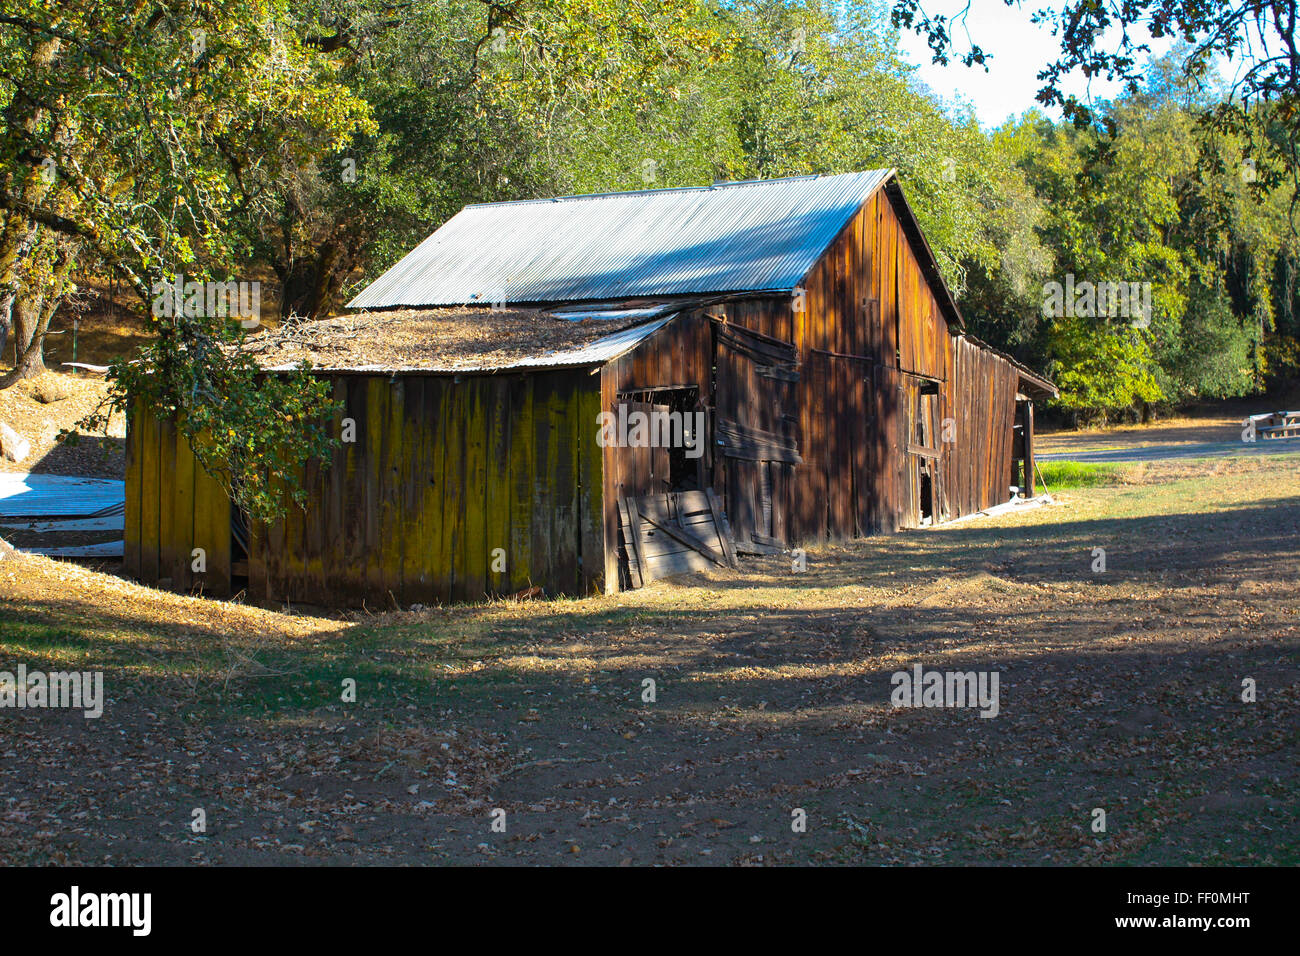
x=865, y=329
x=869, y=336
x=982, y=396
x=172, y=507
x=444, y=471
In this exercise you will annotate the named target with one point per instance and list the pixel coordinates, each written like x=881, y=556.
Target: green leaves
x=162, y=120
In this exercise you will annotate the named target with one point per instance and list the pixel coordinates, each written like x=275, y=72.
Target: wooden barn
x=793, y=338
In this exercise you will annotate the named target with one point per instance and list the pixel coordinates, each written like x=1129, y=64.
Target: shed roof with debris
x=467, y=339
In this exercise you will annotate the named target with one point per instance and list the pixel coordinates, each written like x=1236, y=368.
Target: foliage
x=134, y=133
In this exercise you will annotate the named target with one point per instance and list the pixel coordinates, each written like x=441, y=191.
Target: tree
x=128, y=133
x=1113, y=41
x=483, y=113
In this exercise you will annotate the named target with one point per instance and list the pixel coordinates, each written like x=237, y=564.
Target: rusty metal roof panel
x=730, y=237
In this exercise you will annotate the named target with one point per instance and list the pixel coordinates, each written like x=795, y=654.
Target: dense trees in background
x=313, y=142
x=558, y=98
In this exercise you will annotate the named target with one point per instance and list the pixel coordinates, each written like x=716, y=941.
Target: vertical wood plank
x=183, y=522
x=609, y=481
x=499, y=489
x=131, y=519
x=521, y=469
x=437, y=395
x=590, y=481
x=374, y=429
x=415, y=479
x=150, y=488
x=475, y=554
x=393, y=474
x=545, y=490
x=212, y=531
x=167, y=524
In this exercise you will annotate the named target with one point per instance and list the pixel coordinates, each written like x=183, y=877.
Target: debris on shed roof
x=455, y=339
x=761, y=235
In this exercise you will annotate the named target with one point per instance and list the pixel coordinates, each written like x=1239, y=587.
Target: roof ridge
x=717, y=184
x=727, y=237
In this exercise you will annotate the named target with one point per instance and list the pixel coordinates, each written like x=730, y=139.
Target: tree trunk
x=6, y=320
x=31, y=321
x=311, y=285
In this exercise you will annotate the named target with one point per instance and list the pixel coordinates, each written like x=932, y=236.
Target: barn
x=592, y=392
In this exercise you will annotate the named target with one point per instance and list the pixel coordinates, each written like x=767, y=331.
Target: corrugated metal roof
x=731, y=237
x=579, y=313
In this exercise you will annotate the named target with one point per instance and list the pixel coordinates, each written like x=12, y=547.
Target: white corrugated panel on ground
x=58, y=496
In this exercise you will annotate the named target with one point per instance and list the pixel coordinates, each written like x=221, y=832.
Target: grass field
x=1059, y=475
x=1120, y=690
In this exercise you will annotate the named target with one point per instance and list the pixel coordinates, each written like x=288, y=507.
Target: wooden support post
x=1028, y=429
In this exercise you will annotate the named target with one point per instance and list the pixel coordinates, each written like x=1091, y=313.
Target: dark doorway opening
x=927, y=497
x=686, y=458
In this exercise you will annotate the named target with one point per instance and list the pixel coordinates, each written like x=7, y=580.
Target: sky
x=1018, y=48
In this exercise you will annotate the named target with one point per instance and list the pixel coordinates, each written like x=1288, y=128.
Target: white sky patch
x=1017, y=49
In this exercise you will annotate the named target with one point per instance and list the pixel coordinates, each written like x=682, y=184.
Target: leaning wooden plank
x=681, y=562
x=754, y=547
x=655, y=544
x=756, y=346
x=756, y=444
x=626, y=548
x=634, y=522
x=728, y=546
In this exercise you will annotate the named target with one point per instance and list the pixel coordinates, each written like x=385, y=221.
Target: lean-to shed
x=793, y=338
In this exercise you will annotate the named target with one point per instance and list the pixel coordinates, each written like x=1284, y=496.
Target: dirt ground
x=41, y=408
x=1120, y=690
